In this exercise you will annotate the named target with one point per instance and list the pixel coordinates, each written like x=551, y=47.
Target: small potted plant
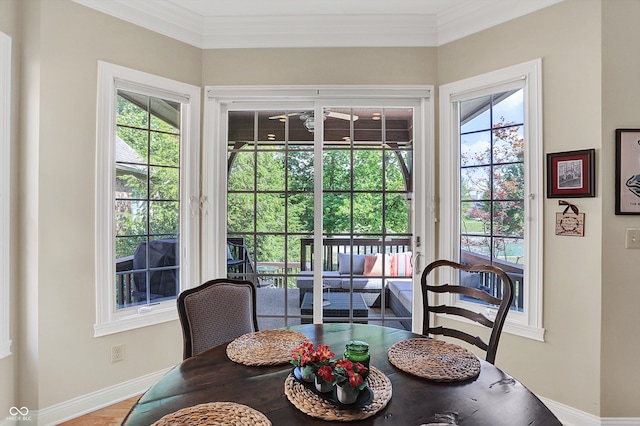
x=302, y=357
x=348, y=376
x=315, y=363
x=322, y=359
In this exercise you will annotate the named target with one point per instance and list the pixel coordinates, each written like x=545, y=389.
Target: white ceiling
x=220, y=24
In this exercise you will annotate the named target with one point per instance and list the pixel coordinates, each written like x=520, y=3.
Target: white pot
x=322, y=385
x=347, y=396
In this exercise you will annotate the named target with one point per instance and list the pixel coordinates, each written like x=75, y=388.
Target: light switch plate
x=632, y=240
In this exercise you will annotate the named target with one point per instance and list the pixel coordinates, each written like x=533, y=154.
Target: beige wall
x=330, y=66
x=565, y=368
x=61, y=44
x=620, y=267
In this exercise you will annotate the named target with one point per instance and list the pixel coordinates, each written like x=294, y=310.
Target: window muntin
x=464, y=111
x=492, y=185
x=147, y=197
x=270, y=192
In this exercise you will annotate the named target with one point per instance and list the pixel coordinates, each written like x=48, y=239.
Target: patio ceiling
x=219, y=24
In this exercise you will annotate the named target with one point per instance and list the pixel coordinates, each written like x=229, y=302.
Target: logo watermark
x=19, y=414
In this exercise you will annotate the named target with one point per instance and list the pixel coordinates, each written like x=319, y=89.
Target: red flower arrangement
x=349, y=374
x=311, y=360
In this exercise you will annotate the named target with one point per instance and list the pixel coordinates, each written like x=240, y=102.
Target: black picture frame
x=628, y=171
x=571, y=174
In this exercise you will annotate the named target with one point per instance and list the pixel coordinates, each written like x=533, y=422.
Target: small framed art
x=571, y=174
x=627, y=171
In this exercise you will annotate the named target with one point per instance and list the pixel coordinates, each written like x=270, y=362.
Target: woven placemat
x=268, y=347
x=434, y=360
x=314, y=405
x=215, y=413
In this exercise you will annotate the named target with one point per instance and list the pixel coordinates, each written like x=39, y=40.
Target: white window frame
x=214, y=174
x=527, y=323
x=5, y=195
x=111, y=78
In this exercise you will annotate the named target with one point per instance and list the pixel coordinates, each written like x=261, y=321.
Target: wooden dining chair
x=216, y=312
x=479, y=293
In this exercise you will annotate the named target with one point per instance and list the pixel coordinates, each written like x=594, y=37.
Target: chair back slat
x=501, y=300
x=462, y=312
x=452, y=332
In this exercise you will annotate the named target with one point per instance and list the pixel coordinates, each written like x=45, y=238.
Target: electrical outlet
x=632, y=240
x=117, y=353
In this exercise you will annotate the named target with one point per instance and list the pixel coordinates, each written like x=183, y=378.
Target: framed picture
x=627, y=171
x=571, y=174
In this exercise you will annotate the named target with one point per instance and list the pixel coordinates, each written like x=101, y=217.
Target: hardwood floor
x=108, y=416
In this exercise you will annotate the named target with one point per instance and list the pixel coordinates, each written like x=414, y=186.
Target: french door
x=319, y=207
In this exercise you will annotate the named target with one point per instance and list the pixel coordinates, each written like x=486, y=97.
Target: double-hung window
x=5, y=193
x=147, y=209
x=491, y=201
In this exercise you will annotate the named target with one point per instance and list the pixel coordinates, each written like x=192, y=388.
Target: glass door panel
x=366, y=174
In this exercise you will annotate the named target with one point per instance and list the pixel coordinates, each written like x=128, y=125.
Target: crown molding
x=317, y=30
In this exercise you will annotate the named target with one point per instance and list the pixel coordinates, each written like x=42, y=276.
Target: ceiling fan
x=309, y=120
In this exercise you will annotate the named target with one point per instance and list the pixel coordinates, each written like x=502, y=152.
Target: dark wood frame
x=588, y=187
x=627, y=140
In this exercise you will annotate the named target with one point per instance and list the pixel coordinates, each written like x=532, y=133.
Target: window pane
x=337, y=170
x=132, y=145
x=475, y=149
x=397, y=169
x=163, y=217
x=270, y=213
x=240, y=212
x=336, y=217
x=339, y=129
x=474, y=183
x=367, y=217
x=475, y=218
x=132, y=109
x=398, y=125
x=300, y=170
x=508, y=145
x=508, y=181
x=367, y=170
x=164, y=183
x=508, y=218
x=475, y=114
x=508, y=108
x=270, y=171
x=165, y=149
x=397, y=210
x=368, y=126
x=165, y=115
x=478, y=245
x=241, y=173
x=300, y=213
x=130, y=217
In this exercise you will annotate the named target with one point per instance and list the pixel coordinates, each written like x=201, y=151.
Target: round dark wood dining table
x=493, y=398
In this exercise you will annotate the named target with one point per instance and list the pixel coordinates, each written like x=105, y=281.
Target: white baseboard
x=570, y=416
x=95, y=400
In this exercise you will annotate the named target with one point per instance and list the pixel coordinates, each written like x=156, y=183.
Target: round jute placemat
x=215, y=413
x=434, y=360
x=314, y=405
x=268, y=347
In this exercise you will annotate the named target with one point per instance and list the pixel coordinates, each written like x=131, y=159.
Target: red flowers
x=346, y=371
x=319, y=360
x=326, y=372
x=306, y=356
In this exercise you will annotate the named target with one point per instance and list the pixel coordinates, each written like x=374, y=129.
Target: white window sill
x=135, y=320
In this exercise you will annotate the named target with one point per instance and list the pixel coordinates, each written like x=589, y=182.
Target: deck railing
x=332, y=246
